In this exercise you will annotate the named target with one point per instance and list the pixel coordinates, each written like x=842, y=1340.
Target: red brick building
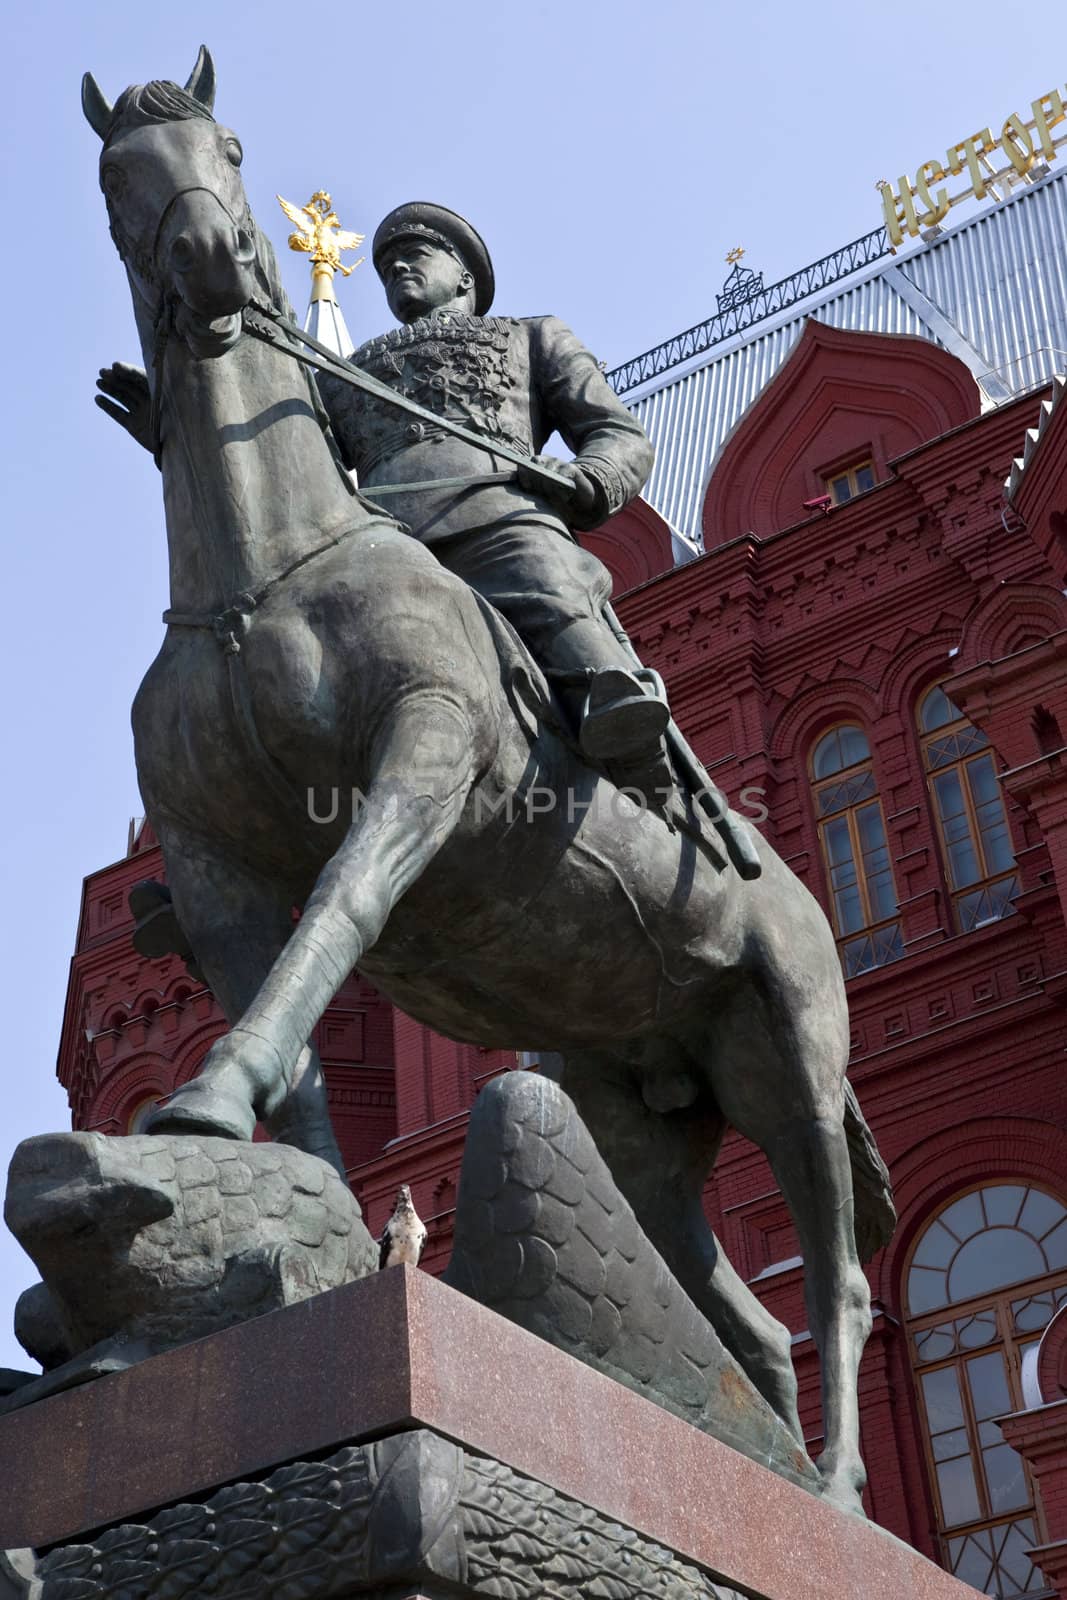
x=871, y=655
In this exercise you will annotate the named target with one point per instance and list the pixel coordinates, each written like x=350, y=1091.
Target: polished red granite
x=402, y=1349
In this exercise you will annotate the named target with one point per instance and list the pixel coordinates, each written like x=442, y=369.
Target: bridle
x=143, y=263
x=143, y=267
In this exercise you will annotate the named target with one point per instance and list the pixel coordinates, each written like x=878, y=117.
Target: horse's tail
x=875, y=1213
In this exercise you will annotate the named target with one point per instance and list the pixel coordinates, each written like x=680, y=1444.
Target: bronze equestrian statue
x=314, y=646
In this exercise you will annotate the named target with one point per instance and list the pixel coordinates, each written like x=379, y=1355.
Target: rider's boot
x=622, y=721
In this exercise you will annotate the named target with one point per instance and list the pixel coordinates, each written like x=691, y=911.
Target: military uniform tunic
x=517, y=381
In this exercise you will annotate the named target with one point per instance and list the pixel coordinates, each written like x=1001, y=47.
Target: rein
x=161, y=333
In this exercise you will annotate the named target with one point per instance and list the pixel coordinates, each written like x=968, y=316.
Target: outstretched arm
x=125, y=397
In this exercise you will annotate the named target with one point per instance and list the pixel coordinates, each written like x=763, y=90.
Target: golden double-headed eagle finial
x=321, y=236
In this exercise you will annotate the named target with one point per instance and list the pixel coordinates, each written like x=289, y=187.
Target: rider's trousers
x=549, y=588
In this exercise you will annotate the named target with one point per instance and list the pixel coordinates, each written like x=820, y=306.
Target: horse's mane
x=159, y=101
x=145, y=104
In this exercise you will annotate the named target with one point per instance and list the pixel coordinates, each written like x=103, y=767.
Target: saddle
x=532, y=693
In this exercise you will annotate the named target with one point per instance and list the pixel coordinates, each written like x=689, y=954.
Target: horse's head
x=178, y=210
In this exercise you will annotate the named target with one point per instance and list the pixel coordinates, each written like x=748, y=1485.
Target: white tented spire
x=325, y=320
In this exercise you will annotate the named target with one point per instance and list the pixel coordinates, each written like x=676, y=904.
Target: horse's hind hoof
x=198, y=1108
x=846, y=1500
x=842, y=1491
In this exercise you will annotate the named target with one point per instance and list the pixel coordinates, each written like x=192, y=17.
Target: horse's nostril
x=245, y=251
x=181, y=254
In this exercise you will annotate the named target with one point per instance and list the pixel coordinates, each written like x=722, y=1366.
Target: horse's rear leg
x=422, y=777
x=811, y=1163
x=778, y=1067
x=661, y=1162
x=238, y=923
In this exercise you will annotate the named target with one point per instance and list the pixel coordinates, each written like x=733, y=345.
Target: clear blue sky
x=610, y=151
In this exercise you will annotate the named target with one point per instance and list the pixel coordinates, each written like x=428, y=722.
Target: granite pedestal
x=393, y=1438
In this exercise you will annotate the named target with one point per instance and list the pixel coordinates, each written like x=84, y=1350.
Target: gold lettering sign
x=913, y=206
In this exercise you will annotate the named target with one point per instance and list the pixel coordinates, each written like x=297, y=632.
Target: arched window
x=140, y=1114
x=852, y=834
x=969, y=807
x=984, y=1280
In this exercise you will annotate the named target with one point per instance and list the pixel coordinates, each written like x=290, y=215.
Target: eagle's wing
x=344, y=239
x=299, y=215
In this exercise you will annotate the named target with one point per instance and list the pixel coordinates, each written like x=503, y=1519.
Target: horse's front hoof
x=197, y=1107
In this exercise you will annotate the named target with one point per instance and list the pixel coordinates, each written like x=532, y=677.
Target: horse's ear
x=98, y=109
x=201, y=83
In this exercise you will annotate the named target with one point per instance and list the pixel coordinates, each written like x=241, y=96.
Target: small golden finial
x=321, y=237
x=734, y=256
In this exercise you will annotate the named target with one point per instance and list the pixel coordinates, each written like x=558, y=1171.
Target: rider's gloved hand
x=575, y=502
x=124, y=396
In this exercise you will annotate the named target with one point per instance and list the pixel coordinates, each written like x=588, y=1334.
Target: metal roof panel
x=999, y=280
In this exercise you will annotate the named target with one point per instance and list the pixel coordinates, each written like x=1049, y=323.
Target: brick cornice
x=973, y=445
x=1039, y=1434
x=1042, y=492
x=1052, y=1559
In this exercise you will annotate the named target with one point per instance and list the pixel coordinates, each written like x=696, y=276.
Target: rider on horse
x=518, y=381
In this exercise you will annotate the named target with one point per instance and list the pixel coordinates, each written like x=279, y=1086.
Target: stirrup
x=620, y=720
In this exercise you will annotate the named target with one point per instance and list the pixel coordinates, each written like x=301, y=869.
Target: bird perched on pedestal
x=403, y=1235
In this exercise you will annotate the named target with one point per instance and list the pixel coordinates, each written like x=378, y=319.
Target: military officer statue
x=516, y=381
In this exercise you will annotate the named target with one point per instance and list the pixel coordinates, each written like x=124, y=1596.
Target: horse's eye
x=113, y=180
x=234, y=154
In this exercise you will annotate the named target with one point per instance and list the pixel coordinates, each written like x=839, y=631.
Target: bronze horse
x=314, y=648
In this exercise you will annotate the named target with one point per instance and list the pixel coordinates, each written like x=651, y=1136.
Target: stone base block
x=395, y=1439
x=413, y=1506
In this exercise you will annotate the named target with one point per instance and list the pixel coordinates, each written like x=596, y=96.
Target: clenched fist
x=576, y=496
